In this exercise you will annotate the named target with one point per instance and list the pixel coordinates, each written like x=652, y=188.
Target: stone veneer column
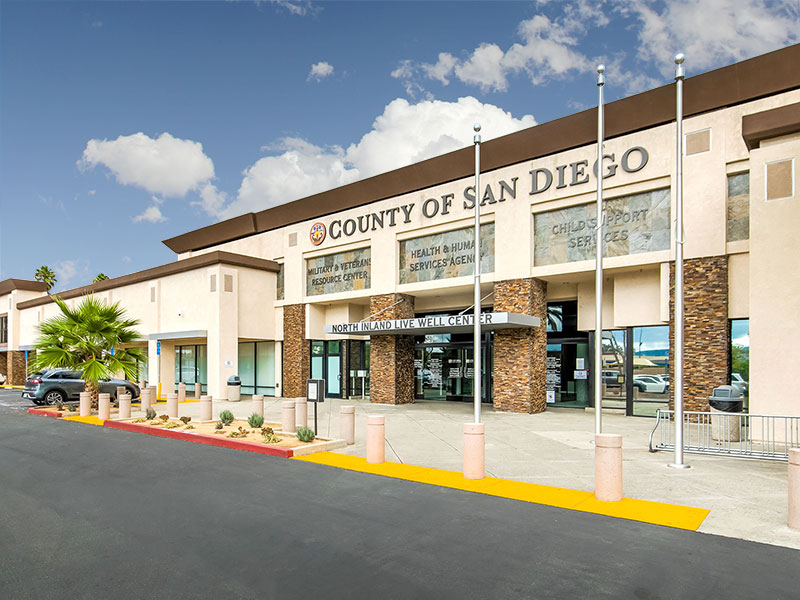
x=706, y=360
x=520, y=355
x=391, y=357
x=296, y=359
x=16, y=367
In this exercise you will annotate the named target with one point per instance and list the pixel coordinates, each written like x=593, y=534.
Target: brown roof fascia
x=770, y=124
x=180, y=266
x=741, y=82
x=21, y=284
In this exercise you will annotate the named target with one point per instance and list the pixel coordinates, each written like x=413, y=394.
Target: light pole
x=679, y=241
x=598, y=271
x=476, y=330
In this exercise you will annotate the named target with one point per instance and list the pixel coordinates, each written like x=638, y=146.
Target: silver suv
x=61, y=385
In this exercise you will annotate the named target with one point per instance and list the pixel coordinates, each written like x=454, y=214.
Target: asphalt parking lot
x=89, y=512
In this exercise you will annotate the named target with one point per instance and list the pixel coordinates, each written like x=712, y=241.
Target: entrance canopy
x=436, y=324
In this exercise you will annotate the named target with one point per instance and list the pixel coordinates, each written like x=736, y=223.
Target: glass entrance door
x=326, y=363
x=445, y=371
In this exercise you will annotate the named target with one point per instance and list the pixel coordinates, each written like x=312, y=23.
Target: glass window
x=738, y=207
x=247, y=367
x=280, y=282
x=650, y=369
x=3, y=330
x=613, y=377
x=265, y=368
x=191, y=366
x=740, y=357
x=317, y=357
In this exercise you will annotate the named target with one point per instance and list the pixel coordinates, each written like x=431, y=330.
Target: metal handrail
x=740, y=435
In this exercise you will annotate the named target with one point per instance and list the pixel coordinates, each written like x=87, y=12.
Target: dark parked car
x=61, y=385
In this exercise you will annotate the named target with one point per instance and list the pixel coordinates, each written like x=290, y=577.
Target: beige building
x=365, y=285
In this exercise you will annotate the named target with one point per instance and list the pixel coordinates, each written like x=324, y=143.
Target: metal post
x=598, y=261
x=476, y=341
x=679, y=241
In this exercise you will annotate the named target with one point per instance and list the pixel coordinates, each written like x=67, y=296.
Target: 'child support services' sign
x=633, y=225
x=341, y=272
x=447, y=254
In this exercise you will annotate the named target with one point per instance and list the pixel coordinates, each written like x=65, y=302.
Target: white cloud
x=439, y=71
x=484, y=68
x=164, y=165
x=296, y=7
x=152, y=214
x=320, y=71
x=404, y=134
x=67, y=270
x=713, y=32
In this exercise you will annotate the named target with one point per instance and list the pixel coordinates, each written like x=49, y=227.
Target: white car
x=738, y=381
x=650, y=383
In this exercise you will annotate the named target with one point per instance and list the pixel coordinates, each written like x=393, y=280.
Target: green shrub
x=218, y=425
x=71, y=407
x=150, y=414
x=255, y=420
x=239, y=433
x=164, y=417
x=226, y=417
x=304, y=434
x=59, y=405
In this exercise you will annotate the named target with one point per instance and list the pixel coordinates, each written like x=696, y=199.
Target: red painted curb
x=201, y=438
x=46, y=413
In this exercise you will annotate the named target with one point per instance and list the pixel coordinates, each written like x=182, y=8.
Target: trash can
x=234, y=388
x=726, y=404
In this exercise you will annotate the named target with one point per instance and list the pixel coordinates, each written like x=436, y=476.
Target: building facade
x=369, y=286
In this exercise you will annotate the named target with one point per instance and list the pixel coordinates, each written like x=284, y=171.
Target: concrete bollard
x=205, y=408
x=198, y=390
x=146, y=399
x=120, y=391
x=347, y=424
x=474, y=451
x=301, y=412
x=172, y=406
x=376, y=439
x=793, y=520
x=153, y=394
x=608, y=467
x=181, y=392
x=125, y=406
x=287, y=416
x=86, y=404
x=104, y=406
x=258, y=404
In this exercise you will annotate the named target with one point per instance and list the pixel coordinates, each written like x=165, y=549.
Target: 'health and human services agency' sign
x=340, y=272
x=447, y=254
x=435, y=324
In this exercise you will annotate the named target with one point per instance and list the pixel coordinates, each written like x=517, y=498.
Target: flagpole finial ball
x=601, y=68
x=477, y=127
x=679, y=58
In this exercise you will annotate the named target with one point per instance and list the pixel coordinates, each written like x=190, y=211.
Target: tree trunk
x=93, y=390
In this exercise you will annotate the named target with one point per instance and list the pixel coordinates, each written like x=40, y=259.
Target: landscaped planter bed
x=248, y=438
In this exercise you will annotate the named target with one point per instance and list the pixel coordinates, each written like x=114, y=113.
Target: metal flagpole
x=598, y=272
x=679, y=241
x=476, y=351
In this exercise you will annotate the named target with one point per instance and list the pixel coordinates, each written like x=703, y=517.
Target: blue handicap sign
x=158, y=348
x=26, y=355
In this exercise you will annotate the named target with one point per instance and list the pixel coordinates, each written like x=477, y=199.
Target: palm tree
x=100, y=277
x=88, y=338
x=45, y=275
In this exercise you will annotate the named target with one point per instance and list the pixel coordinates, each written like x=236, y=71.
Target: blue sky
x=123, y=124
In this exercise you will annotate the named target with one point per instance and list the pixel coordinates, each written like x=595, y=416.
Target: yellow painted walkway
x=657, y=513
x=89, y=420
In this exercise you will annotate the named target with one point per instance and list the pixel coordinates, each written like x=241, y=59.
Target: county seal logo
x=317, y=234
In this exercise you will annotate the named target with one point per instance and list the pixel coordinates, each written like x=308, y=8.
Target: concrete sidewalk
x=747, y=498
